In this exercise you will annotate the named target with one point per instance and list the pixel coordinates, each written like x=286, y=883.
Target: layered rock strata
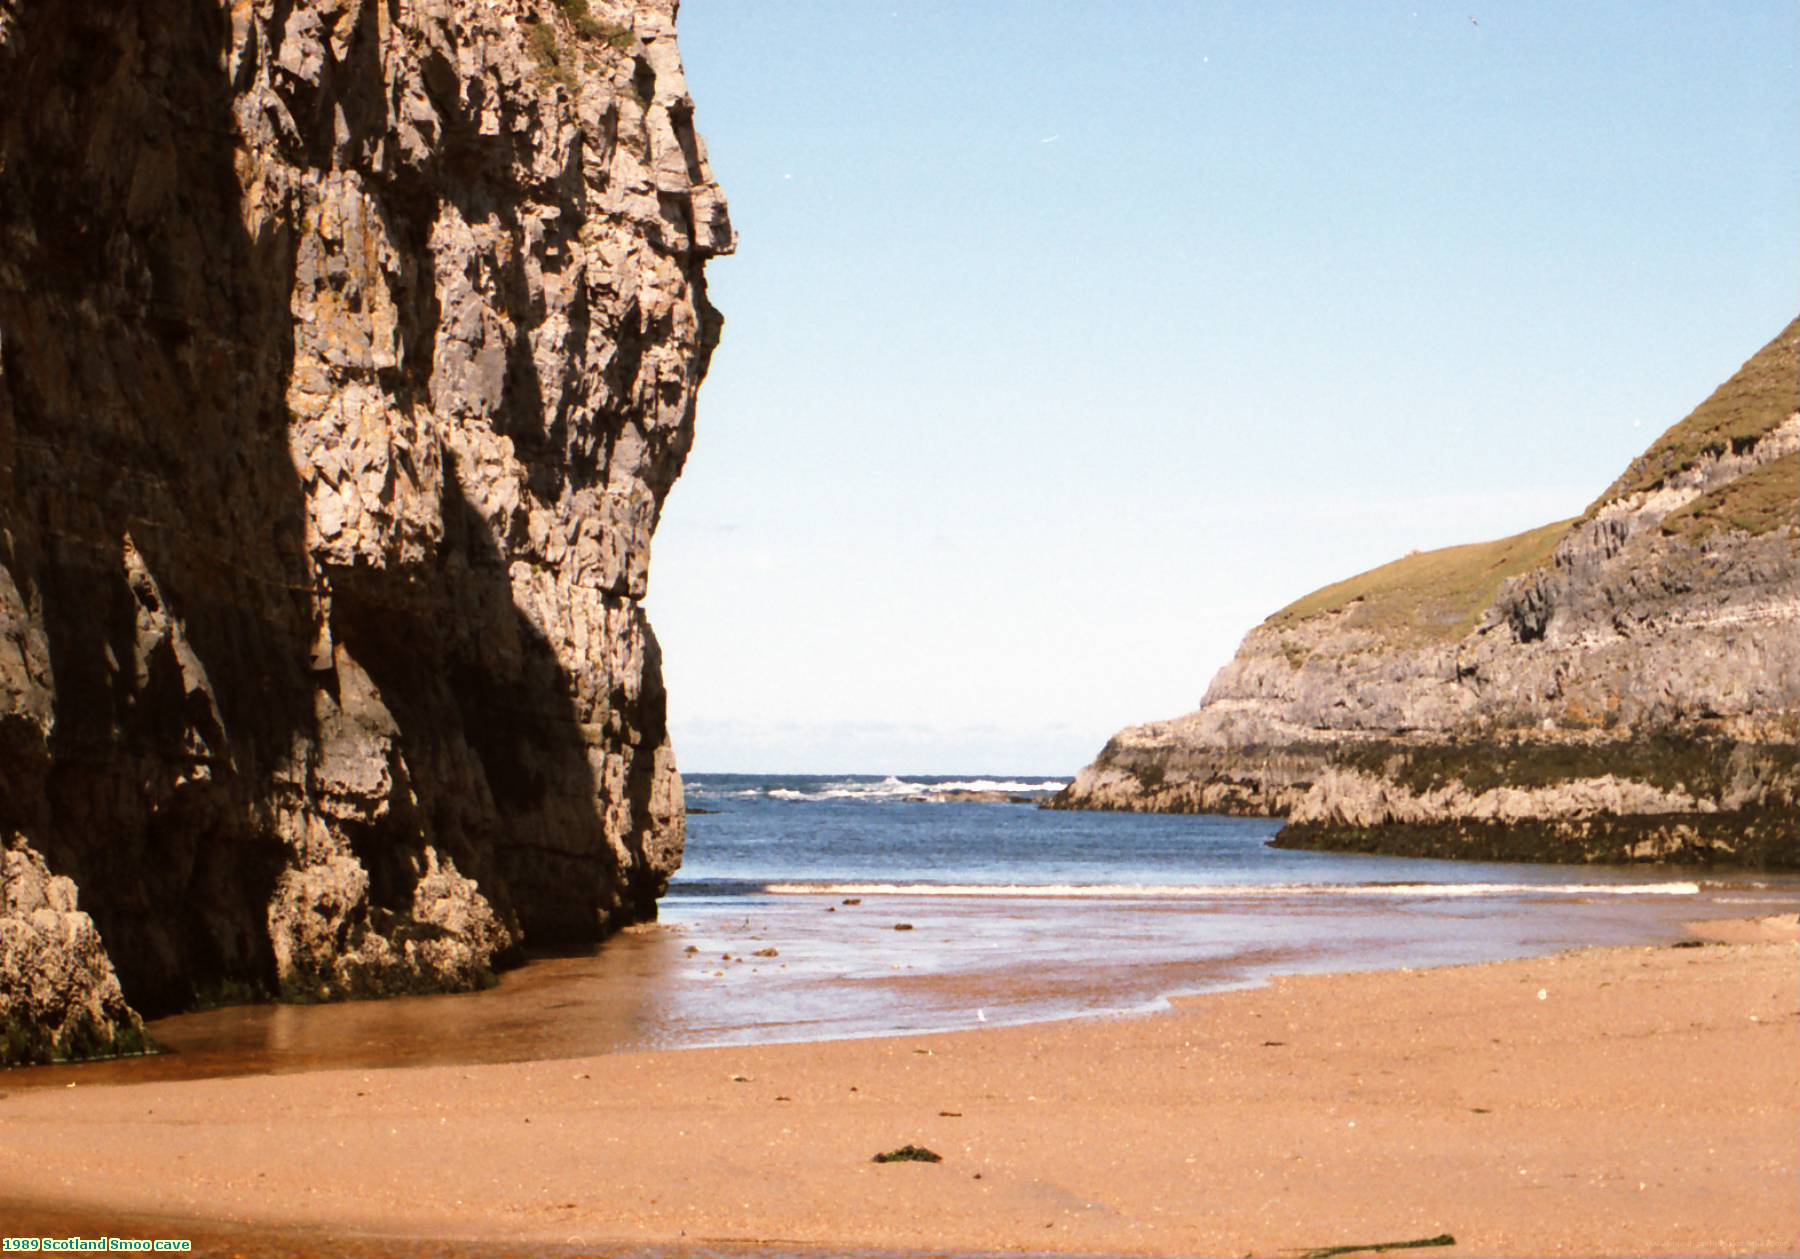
x=348, y=349
x=1623, y=686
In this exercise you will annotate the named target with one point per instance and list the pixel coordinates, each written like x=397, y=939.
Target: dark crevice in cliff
x=520, y=415
x=681, y=118
x=643, y=81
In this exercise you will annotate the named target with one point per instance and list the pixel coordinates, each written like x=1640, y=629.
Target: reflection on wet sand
x=553, y=1007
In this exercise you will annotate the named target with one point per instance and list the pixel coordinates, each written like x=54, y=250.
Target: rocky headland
x=1622, y=686
x=347, y=353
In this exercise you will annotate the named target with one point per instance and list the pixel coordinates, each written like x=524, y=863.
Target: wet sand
x=1615, y=1101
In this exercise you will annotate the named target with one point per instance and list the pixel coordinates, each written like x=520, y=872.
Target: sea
x=820, y=907
x=1014, y=913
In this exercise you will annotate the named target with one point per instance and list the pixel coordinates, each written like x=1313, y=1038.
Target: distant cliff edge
x=1624, y=686
x=347, y=353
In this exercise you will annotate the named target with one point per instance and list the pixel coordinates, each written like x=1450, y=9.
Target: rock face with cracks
x=1624, y=686
x=348, y=350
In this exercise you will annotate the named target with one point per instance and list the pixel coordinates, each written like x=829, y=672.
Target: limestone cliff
x=1622, y=686
x=348, y=349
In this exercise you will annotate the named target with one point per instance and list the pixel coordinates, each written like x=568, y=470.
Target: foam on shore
x=1127, y=891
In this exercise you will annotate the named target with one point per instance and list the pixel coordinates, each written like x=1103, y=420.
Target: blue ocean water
x=1014, y=913
x=749, y=832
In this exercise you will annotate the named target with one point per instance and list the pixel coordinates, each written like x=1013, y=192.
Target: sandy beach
x=1616, y=1101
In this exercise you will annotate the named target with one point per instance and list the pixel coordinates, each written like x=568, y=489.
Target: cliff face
x=348, y=349
x=1623, y=686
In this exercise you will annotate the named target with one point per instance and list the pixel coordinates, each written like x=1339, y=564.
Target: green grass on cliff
x=1758, y=397
x=554, y=64
x=587, y=26
x=1754, y=503
x=1430, y=595
x=1439, y=596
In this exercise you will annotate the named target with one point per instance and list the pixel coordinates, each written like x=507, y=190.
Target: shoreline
x=980, y=957
x=1645, y=1103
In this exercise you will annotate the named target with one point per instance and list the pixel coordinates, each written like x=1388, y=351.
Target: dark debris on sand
x=909, y=1154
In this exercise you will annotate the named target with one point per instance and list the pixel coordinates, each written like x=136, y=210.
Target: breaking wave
x=892, y=788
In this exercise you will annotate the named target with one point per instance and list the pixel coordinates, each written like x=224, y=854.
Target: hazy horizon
x=1063, y=347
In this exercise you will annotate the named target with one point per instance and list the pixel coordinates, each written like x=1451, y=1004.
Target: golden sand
x=1611, y=1102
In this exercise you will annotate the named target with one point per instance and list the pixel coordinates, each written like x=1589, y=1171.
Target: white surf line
x=1189, y=891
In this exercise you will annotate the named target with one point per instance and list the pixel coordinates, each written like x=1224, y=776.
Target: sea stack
x=348, y=351
x=1622, y=686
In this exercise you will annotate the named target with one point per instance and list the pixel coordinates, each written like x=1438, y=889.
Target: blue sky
x=1066, y=342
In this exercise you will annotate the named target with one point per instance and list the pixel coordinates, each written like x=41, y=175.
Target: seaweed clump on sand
x=909, y=1154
